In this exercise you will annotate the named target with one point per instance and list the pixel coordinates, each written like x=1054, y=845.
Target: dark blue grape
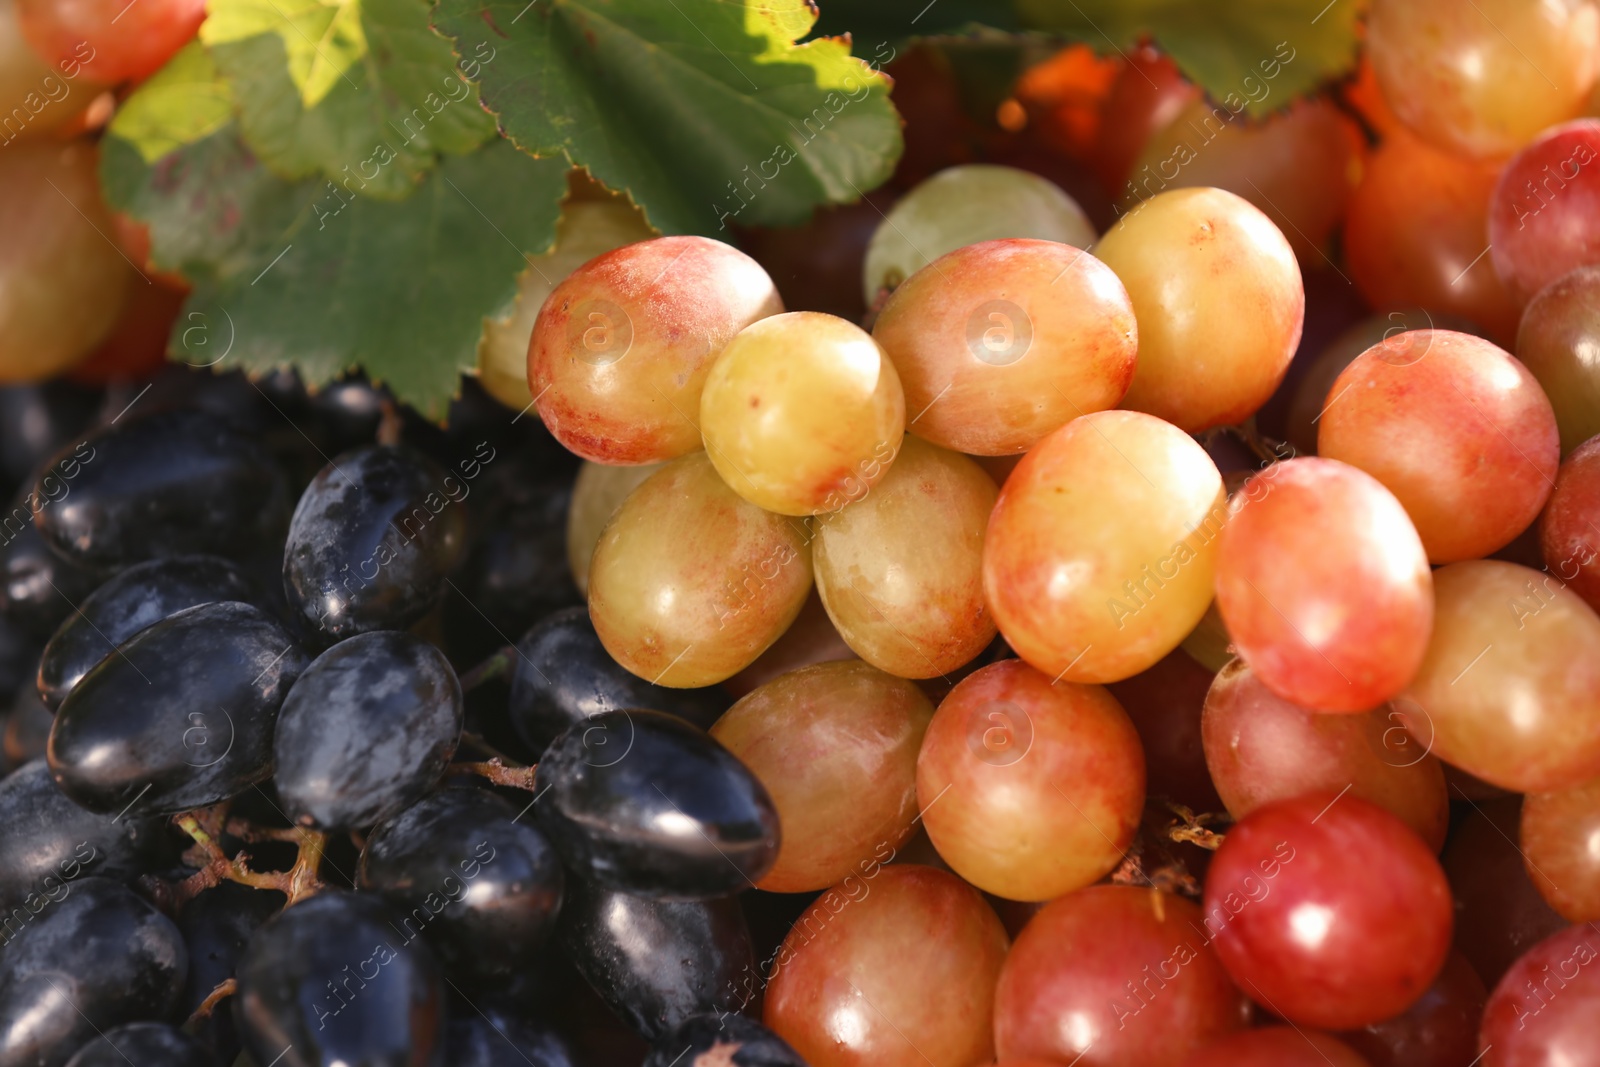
x=655, y=962
x=727, y=1040
x=475, y=877
x=518, y=571
x=372, y=543
x=366, y=730
x=494, y=1038
x=138, y=597
x=95, y=957
x=180, y=716
x=28, y=724
x=46, y=840
x=216, y=926
x=142, y=1045
x=168, y=484
x=346, y=413
x=331, y=981
x=643, y=802
x=37, y=587
x=37, y=420
x=563, y=675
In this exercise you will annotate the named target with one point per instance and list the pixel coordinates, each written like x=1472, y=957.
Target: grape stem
x=1192, y=827
x=500, y=772
x=226, y=988
x=389, y=424
x=207, y=824
x=496, y=666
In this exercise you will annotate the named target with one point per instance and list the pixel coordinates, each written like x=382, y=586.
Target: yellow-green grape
x=587, y=228
x=690, y=583
x=802, y=413
x=901, y=570
x=960, y=206
x=596, y=494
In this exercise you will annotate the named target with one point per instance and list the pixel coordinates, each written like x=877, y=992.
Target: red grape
x=1439, y=1030
x=1261, y=749
x=1328, y=911
x=1569, y=537
x=809, y=640
x=1561, y=849
x=1546, y=1010
x=1114, y=975
x=1456, y=428
x=1164, y=703
x=1028, y=788
x=1277, y=1046
x=895, y=967
x=1544, y=217
x=115, y=40
x=1323, y=585
x=1557, y=342
x=1100, y=550
x=1147, y=92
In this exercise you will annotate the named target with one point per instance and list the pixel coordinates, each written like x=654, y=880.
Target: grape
x=713, y=1039
x=809, y=640
x=562, y=676
x=180, y=717
x=1556, y=341
x=38, y=420
x=1416, y=232
x=139, y=1044
x=1261, y=749
x=463, y=858
x=895, y=969
x=1099, y=554
x=39, y=586
x=817, y=266
x=384, y=684
x=900, y=571
x=1482, y=79
x=1324, y=586
x=1438, y=1030
x=49, y=841
x=138, y=597
x=802, y=441
x=1499, y=912
x=94, y=31
x=836, y=747
x=642, y=802
x=494, y=1038
x=1328, y=911
x=167, y=484
x=372, y=542
x=1083, y=971
x=1277, y=1046
x=1298, y=166
x=621, y=349
x=999, y=343
x=962, y=206
x=1219, y=301
x=62, y=282
x=1164, y=702
x=1529, y=652
x=216, y=926
x=305, y=994
x=656, y=963
x=27, y=729
x=690, y=583
x=596, y=495
x=1045, y=782
x=94, y=957
x=1143, y=98
x=137, y=344
x=1459, y=431
x=1560, y=834
x=37, y=97
x=1541, y=214
x=586, y=230
x=1546, y=1010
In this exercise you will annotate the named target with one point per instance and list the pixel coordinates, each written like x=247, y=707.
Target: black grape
x=644, y=802
x=130, y=601
x=169, y=484
x=723, y=1039
x=36, y=420
x=372, y=542
x=330, y=980
x=37, y=587
x=142, y=1045
x=518, y=572
x=216, y=926
x=346, y=413
x=28, y=724
x=495, y=1038
x=562, y=675
x=19, y=655
x=96, y=957
x=655, y=962
x=367, y=729
x=481, y=884
x=180, y=716
x=47, y=841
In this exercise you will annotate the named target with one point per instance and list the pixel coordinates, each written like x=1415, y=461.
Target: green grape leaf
x=181, y=103
x=307, y=275
x=363, y=91
x=1254, y=55
x=705, y=111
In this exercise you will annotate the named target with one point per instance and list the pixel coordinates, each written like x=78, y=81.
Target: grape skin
x=113, y=50
x=596, y=494
x=1568, y=538
x=1559, y=831
x=1277, y=1046
x=1438, y=1030
x=1542, y=215
x=1556, y=341
x=1546, y=1010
